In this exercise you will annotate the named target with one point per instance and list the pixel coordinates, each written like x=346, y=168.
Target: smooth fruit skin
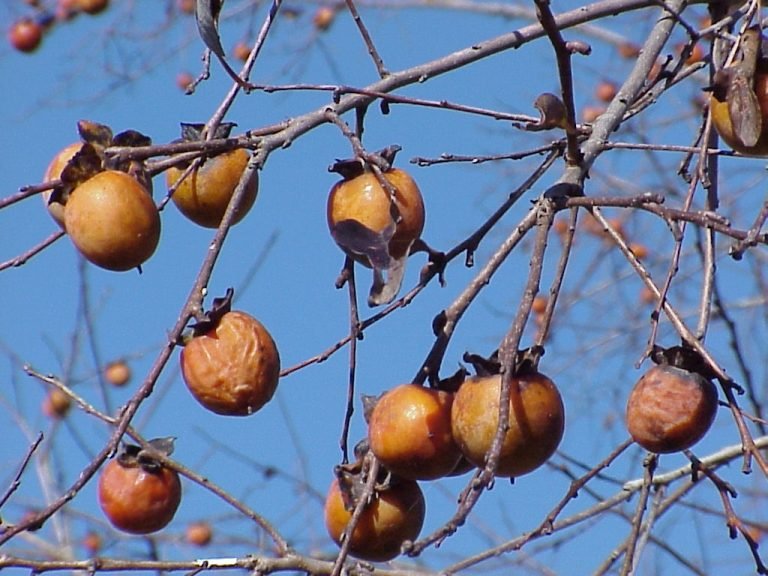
x=53, y=172
x=363, y=199
x=204, y=194
x=113, y=221
x=670, y=409
x=536, y=425
x=136, y=500
x=25, y=35
x=234, y=368
x=721, y=119
x=410, y=432
x=394, y=516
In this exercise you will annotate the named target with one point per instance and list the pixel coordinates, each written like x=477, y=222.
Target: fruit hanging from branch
x=375, y=219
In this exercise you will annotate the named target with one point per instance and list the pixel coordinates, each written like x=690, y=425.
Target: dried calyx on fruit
x=230, y=363
x=376, y=216
x=136, y=492
x=204, y=193
x=536, y=414
x=108, y=210
x=674, y=403
x=393, y=513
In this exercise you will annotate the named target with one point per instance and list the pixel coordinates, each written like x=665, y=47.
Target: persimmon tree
x=530, y=204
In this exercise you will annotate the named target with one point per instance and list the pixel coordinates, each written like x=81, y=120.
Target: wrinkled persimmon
x=234, y=367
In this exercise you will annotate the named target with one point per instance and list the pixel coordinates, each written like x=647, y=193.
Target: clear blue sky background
x=119, y=69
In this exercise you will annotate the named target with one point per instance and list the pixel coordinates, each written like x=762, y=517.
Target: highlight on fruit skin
x=670, y=409
x=53, y=172
x=536, y=422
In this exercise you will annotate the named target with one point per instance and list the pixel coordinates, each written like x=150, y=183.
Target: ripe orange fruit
x=112, y=221
x=92, y=6
x=138, y=499
x=409, y=431
x=359, y=206
x=203, y=196
x=25, y=35
x=56, y=404
x=536, y=423
x=670, y=409
x=394, y=515
x=234, y=367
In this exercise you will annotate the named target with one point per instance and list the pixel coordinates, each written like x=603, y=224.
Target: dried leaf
x=552, y=113
x=97, y=135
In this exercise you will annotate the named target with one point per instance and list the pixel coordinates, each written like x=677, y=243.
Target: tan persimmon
x=536, y=422
x=203, y=196
x=113, y=221
x=362, y=200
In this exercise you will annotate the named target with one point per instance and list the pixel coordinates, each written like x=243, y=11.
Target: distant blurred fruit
x=183, y=80
x=25, y=35
x=92, y=6
x=56, y=404
x=199, y=533
x=117, y=373
x=591, y=113
x=241, y=51
x=324, y=17
x=92, y=543
x=186, y=6
x=605, y=91
x=629, y=50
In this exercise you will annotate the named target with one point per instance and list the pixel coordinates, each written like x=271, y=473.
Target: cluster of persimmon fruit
x=231, y=364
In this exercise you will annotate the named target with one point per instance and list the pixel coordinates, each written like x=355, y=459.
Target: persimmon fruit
x=394, y=515
x=670, y=409
x=536, y=422
x=234, y=367
x=364, y=201
x=113, y=221
x=138, y=499
x=203, y=196
x=409, y=431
